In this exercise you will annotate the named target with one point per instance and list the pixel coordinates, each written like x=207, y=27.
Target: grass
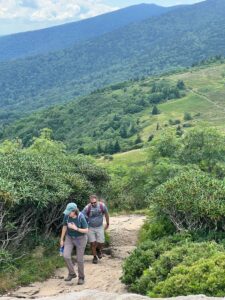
x=131, y=159
x=39, y=265
x=204, y=100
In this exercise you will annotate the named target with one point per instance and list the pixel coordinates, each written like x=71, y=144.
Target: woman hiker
x=74, y=231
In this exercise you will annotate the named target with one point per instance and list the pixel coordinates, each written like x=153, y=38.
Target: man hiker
x=94, y=213
x=74, y=232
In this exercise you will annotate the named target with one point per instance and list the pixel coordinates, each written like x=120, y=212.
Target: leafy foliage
x=35, y=186
x=95, y=123
x=186, y=195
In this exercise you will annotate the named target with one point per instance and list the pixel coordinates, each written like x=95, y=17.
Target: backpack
x=89, y=209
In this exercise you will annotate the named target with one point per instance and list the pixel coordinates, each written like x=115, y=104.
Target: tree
x=138, y=139
x=44, y=144
x=187, y=116
x=99, y=148
x=133, y=130
x=81, y=150
x=123, y=132
x=181, y=85
x=179, y=131
x=151, y=137
x=155, y=110
x=117, y=147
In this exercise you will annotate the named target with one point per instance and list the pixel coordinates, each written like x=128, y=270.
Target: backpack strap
x=88, y=210
x=80, y=216
x=102, y=207
x=67, y=218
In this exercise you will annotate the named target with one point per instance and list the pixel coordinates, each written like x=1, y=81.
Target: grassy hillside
x=177, y=38
x=123, y=112
x=60, y=37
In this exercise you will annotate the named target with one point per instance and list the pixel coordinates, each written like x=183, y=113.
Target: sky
x=25, y=15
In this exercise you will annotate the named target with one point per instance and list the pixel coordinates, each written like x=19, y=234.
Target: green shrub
x=158, y=272
x=192, y=201
x=205, y=276
x=144, y=255
x=155, y=228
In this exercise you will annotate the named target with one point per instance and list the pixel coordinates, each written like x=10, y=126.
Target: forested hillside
x=124, y=116
x=175, y=39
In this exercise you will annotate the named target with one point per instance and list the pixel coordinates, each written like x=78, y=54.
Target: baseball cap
x=69, y=208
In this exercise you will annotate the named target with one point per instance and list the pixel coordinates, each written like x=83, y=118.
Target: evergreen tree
x=133, y=130
x=138, y=139
x=81, y=150
x=187, y=116
x=181, y=85
x=123, y=132
x=117, y=147
x=99, y=148
x=155, y=110
x=151, y=137
x=110, y=148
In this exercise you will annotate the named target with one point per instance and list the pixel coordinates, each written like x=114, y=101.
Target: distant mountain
x=64, y=36
x=175, y=39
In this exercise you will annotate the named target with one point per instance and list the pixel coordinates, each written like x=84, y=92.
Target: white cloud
x=51, y=10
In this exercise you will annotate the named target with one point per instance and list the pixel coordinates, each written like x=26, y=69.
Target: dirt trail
x=104, y=276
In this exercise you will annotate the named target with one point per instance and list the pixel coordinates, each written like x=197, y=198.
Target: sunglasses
x=93, y=203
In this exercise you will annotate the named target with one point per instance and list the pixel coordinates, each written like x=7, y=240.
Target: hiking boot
x=95, y=260
x=99, y=253
x=80, y=281
x=70, y=277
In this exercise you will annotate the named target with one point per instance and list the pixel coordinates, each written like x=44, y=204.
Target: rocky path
x=103, y=277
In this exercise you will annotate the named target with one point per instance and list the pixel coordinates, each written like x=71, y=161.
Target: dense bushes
x=181, y=248
x=192, y=201
x=205, y=276
x=35, y=185
x=175, y=265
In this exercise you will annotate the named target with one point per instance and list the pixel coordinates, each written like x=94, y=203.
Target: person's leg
x=93, y=248
x=99, y=250
x=81, y=243
x=68, y=248
x=100, y=238
x=93, y=243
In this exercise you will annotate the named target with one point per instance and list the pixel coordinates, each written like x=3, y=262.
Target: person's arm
x=107, y=220
x=64, y=229
x=84, y=228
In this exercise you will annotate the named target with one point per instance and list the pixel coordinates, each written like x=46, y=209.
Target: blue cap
x=69, y=208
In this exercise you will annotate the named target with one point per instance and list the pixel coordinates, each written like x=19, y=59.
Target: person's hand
x=72, y=226
x=61, y=243
x=106, y=226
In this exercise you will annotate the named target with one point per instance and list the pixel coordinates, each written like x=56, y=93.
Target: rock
x=97, y=295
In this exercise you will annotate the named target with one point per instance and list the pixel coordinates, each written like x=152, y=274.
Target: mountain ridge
x=63, y=36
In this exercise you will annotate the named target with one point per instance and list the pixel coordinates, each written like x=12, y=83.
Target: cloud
x=51, y=10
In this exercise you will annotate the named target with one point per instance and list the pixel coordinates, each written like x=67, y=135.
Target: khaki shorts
x=96, y=234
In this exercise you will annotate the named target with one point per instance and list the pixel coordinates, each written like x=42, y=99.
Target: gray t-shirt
x=94, y=215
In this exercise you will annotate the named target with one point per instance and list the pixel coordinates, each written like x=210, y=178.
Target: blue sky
x=25, y=15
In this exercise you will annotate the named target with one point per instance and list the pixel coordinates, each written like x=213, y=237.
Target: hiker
x=94, y=213
x=74, y=231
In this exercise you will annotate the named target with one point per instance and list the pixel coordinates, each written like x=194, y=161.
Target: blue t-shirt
x=95, y=218
x=79, y=222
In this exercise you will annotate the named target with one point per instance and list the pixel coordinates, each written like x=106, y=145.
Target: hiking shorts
x=96, y=234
